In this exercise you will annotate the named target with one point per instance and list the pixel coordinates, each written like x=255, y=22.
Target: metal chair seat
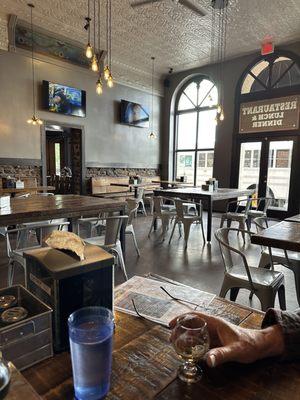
x=260, y=276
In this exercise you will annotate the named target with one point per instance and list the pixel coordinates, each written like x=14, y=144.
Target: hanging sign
x=281, y=114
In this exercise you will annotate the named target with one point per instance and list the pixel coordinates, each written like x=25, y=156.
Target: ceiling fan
x=190, y=4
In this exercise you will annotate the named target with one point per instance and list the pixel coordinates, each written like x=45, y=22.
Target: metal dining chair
x=129, y=230
x=160, y=213
x=260, y=209
x=186, y=219
x=271, y=256
x=264, y=283
x=238, y=214
x=110, y=240
x=15, y=253
x=140, y=200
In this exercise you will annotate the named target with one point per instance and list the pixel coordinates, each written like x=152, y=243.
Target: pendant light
x=34, y=120
x=219, y=25
x=94, y=64
x=89, y=49
x=99, y=85
x=152, y=134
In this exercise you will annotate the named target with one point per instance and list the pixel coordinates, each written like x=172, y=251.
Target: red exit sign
x=267, y=48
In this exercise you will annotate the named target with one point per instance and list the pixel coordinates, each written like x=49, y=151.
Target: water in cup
x=90, y=331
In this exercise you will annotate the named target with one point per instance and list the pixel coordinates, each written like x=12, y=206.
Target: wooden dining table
x=285, y=235
x=196, y=194
x=145, y=367
x=38, y=208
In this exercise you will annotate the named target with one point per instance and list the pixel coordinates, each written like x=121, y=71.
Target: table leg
x=122, y=234
x=73, y=226
x=136, y=192
x=209, y=218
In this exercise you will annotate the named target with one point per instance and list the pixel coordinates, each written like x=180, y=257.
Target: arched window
x=195, y=129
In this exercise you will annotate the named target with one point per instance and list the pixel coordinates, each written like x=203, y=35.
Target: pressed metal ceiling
x=174, y=35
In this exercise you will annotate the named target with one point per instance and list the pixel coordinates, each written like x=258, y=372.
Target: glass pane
x=185, y=161
x=211, y=99
x=191, y=92
x=57, y=158
x=205, y=163
x=185, y=103
x=290, y=78
x=186, y=130
x=207, y=129
x=249, y=166
x=250, y=84
x=279, y=173
x=204, y=88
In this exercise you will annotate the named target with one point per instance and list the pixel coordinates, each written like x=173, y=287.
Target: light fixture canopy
x=34, y=120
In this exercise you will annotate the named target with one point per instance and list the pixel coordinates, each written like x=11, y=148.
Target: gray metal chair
x=270, y=256
x=140, y=200
x=160, y=213
x=259, y=209
x=185, y=219
x=110, y=240
x=15, y=253
x=237, y=215
x=92, y=225
x=265, y=284
x=129, y=230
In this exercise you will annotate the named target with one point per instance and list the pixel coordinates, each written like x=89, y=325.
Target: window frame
x=198, y=108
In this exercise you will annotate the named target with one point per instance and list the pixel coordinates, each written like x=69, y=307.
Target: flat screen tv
x=63, y=99
x=134, y=114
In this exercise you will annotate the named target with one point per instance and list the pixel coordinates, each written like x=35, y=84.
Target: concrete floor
x=199, y=266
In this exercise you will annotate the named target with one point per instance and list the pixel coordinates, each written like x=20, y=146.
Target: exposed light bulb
x=110, y=81
x=106, y=72
x=89, y=51
x=219, y=109
x=29, y=121
x=99, y=87
x=95, y=67
x=39, y=121
x=152, y=135
x=222, y=116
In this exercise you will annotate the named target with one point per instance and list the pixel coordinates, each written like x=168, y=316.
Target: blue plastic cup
x=90, y=333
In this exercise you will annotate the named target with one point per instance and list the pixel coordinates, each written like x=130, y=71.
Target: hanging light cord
x=32, y=61
x=99, y=32
x=95, y=26
x=107, y=32
x=152, y=94
x=110, y=35
x=89, y=22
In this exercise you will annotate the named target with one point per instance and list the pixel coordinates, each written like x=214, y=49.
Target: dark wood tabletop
x=38, y=208
x=284, y=235
x=294, y=218
x=145, y=364
x=26, y=190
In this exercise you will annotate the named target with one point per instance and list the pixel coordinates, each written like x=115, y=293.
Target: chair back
x=260, y=224
x=231, y=255
x=113, y=227
x=179, y=208
x=262, y=204
x=132, y=207
x=158, y=201
x=140, y=193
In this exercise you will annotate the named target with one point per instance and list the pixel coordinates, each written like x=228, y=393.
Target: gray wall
x=225, y=131
x=107, y=143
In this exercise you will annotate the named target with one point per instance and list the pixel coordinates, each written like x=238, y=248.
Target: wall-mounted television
x=63, y=99
x=134, y=114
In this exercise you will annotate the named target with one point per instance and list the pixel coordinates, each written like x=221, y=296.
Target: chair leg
x=234, y=293
x=135, y=243
x=180, y=229
x=229, y=223
x=173, y=229
x=143, y=207
x=222, y=221
x=202, y=229
x=118, y=250
x=186, y=228
x=267, y=299
x=10, y=273
x=224, y=290
x=242, y=227
x=281, y=297
x=297, y=282
x=165, y=225
x=151, y=227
